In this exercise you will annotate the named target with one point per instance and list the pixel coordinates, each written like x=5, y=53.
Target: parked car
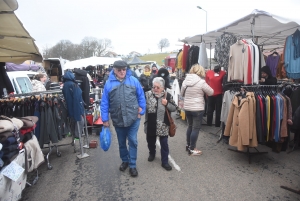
x=20, y=81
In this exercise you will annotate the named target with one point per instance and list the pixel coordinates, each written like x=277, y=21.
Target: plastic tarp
x=135, y=60
x=21, y=67
x=269, y=30
x=16, y=45
x=91, y=61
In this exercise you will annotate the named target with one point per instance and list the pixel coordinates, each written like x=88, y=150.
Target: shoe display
x=151, y=158
x=133, y=172
x=195, y=152
x=123, y=166
x=167, y=166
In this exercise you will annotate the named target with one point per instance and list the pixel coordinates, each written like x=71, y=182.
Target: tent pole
x=252, y=28
x=210, y=55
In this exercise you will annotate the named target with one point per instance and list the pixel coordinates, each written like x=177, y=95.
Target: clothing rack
x=49, y=146
x=33, y=93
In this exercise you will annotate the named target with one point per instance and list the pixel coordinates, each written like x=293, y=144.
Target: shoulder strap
x=184, y=91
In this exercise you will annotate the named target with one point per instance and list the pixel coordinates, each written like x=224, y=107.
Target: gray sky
x=137, y=25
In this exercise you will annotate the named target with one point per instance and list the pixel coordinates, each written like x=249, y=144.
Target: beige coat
x=241, y=126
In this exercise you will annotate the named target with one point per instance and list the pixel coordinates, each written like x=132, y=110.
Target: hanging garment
x=227, y=99
x=272, y=62
x=238, y=62
x=222, y=49
x=185, y=52
x=238, y=123
x=202, y=58
x=291, y=64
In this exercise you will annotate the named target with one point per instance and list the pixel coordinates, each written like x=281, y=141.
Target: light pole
x=205, y=15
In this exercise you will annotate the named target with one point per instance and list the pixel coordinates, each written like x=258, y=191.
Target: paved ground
x=218, y=174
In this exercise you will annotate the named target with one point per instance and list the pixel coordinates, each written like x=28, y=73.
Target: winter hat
x=120, y=64
x=154, y=65
x=266, y=69
x=164, y=73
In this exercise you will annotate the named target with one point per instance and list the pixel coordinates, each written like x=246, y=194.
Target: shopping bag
x=105, y=138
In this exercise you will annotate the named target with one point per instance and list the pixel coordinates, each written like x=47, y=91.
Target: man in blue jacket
x=123, y=97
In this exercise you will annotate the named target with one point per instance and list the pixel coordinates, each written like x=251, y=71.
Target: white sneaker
x=195, y=152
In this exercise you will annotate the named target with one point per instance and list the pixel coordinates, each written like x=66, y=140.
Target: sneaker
x=195, y=152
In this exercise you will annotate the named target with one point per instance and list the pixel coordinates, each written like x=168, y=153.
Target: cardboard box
x=54, y=78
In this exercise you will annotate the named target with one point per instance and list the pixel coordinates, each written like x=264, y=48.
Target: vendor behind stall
x=266, y=77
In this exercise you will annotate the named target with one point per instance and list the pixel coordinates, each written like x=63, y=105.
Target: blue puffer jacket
x=122, y=100
x=73, y=96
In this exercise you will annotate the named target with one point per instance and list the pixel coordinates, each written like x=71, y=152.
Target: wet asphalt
x=218, y=174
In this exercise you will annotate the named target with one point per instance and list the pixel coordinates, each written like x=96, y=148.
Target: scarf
x=147, y=73
x=159, y=95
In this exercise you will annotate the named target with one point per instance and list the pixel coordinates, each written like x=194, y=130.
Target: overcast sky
x=137, y=25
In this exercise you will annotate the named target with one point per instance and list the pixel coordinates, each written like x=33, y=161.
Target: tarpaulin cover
x=21, y=67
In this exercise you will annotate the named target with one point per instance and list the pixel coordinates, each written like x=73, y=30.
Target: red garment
x=215, y=82
x=185, y=55
x=249, y=71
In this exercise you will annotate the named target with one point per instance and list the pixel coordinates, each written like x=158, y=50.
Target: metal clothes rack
x=49, y=146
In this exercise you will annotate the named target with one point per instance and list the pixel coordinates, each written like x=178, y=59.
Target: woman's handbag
x=172, y=128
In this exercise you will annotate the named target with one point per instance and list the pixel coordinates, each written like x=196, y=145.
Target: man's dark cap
x=120, y=64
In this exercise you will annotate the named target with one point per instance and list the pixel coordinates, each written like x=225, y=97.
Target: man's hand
x=290, y=122
x=106, y=124
x=140, y=109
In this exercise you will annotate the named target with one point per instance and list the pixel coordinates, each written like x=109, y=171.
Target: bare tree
x=89, y=45
x=103, y=46
x=163, y=43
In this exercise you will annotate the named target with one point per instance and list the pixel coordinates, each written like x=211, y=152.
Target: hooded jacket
x=270, y=80
x=122, y=99
x=84, y=85
x=194, y=93
x=73, y=96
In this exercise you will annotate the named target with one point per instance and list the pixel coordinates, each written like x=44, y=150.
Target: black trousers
x=214, y=103
x=164, y=147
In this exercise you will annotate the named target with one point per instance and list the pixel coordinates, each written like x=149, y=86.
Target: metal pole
x=206, y=21
x=210, y=55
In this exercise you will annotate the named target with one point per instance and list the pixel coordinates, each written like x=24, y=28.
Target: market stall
x=243, y=48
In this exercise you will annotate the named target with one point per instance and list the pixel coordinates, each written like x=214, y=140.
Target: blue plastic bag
x=105, y=138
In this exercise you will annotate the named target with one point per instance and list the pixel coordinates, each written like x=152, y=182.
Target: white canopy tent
x=266, y=29
x=16, y=45
x=91, y=61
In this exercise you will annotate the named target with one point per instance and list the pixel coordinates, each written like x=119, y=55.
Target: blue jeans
x=130, y=133
x=194, y=119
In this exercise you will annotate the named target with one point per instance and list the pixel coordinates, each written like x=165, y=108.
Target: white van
x=20, y=81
